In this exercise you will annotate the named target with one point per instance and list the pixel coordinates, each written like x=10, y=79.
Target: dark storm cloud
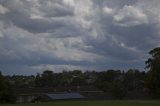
x=94, y=34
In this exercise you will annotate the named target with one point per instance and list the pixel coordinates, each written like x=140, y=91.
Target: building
x=25, y=95
x=45, y=97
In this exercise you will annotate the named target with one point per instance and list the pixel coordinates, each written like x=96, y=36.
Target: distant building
x=27, y=98
x=25, y=95
x=48, y=97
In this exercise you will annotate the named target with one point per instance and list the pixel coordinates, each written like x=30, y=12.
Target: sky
x=38, y=35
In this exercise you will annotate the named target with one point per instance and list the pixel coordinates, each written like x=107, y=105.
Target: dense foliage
x=6, y=91
x=153, y=79
x=117, y=82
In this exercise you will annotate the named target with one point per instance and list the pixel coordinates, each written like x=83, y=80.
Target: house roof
x=63, y=96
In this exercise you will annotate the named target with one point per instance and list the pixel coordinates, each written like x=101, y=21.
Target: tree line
x=117, y=82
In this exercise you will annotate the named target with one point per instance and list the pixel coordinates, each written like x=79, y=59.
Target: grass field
x=92, y=103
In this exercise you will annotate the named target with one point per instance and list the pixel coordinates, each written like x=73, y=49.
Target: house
x=46, y=94
x=28, y=98
x=26, y=95
x=45, y=97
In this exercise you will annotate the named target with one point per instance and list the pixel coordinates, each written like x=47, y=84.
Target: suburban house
x=59, y=93
x=45, y=97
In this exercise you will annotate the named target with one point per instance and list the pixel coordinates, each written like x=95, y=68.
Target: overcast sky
x=76, y=34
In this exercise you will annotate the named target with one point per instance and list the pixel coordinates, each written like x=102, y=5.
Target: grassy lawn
x=92, y=103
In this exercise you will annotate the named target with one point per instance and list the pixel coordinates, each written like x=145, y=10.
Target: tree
x=6, y=91
x=105, y=79
x=38, y=82
x=118, y=89
x=48, y=79
x=153, y=78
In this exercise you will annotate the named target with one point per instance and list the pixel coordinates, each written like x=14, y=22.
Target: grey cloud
x=79, y=33
x=36, y=25
x=130, y=16
x=20, y=14
x=54, y=9
x=118, y=4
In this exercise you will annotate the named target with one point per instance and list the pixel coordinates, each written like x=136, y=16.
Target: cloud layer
x=83, y=34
